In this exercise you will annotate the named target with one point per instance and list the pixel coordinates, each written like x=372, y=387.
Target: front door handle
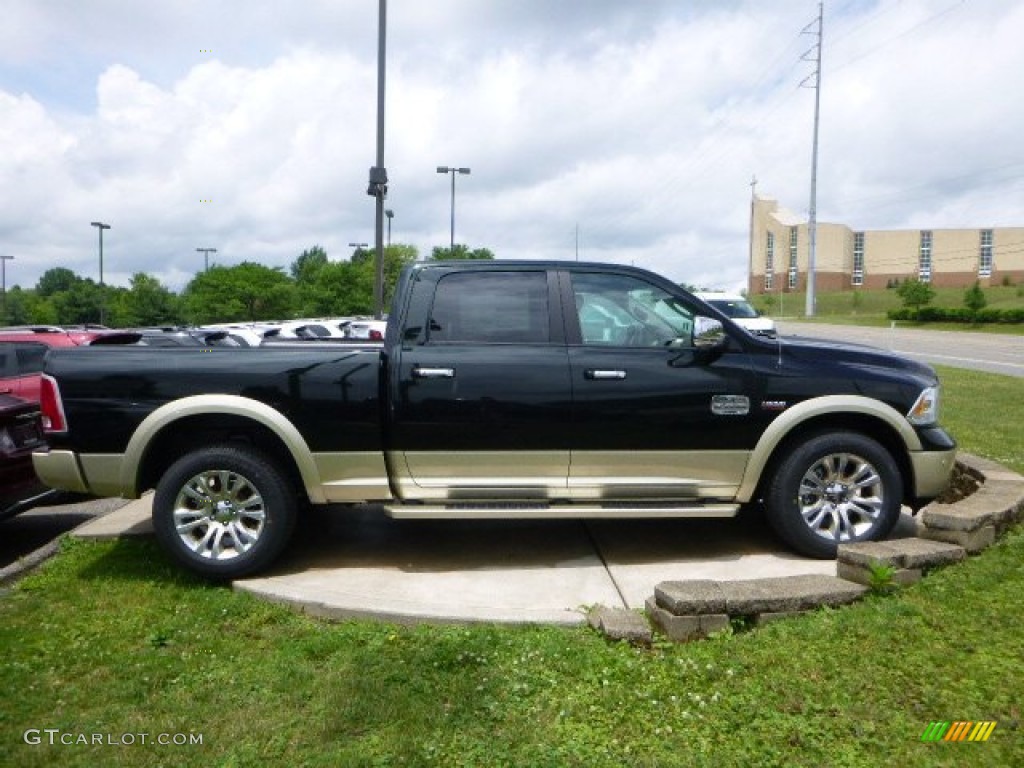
x=604, y=374
x=433, y=373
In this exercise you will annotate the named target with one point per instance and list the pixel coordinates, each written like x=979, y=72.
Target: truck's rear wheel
x=834, y=489
x=224, y=511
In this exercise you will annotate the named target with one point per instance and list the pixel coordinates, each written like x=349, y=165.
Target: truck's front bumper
x=934, y=465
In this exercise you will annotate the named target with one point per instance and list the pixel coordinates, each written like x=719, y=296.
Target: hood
x=848, y=353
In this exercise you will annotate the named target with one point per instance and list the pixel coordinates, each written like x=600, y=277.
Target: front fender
x=232, y=405
x=830, y=406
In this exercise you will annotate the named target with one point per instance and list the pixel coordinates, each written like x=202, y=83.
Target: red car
x=22, y=350
x=20, y=434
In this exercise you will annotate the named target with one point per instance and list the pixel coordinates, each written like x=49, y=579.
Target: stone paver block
x=926, y=553
x=678, y=629
x=861, y=574
x=787, y=593
x=620, y=624
x=689, y=598
x=973, y=541
x=865, y=553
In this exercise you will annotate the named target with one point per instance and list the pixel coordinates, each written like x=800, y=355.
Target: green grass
x=870, y=307
x=110, y=638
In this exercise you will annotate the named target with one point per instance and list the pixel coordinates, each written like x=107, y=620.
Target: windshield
x=734, y=308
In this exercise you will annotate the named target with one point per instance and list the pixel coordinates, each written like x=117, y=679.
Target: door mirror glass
x=708, y=333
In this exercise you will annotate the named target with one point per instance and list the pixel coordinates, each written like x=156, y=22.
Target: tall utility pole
x=750, y=255
x=206, y=253
x=378, y=187
x=813, y=54
x=103, y=298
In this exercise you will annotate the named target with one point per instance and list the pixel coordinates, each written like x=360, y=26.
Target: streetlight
x=3, y=285
x=452, y=171
x=101, y=226
x=390, y=214
x=206, y=253
x=378, y=186
x=358, y=247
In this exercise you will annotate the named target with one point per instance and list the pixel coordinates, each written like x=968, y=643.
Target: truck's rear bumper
x=60, y=469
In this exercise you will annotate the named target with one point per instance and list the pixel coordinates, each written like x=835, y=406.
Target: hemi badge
x=730, y=405
x=773, y=405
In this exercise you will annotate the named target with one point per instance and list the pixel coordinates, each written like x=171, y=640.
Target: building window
x=792, y=257
x=924, y=262
x=985, y=254
x=858, y=258
x=769, y=262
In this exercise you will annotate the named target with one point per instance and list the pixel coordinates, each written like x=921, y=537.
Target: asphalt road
x=995, y=353
x=23, y=534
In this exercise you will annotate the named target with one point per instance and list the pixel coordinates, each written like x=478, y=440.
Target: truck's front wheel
x=224, y=511
x=836, y=488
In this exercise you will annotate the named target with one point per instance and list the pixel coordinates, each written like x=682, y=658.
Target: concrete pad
x=358, y=562
x=128, y=519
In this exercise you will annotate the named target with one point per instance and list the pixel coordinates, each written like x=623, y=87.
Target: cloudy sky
x=624, y=131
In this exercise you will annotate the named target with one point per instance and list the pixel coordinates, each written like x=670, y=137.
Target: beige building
x=846, y=259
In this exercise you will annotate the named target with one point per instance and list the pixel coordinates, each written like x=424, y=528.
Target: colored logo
x=958, y=730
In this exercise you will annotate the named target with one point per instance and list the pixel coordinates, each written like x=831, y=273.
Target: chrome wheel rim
x=841, y=497
x=219, y=514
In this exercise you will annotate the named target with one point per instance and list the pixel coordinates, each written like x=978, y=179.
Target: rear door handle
x=603, y=374
x=433, y=373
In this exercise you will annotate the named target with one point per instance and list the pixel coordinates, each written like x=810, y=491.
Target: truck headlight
x=925, y=410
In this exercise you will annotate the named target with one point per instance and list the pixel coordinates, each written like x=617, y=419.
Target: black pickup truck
x=502, y=389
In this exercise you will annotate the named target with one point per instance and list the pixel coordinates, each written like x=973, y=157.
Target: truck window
x=491, y=307
x=619, y=310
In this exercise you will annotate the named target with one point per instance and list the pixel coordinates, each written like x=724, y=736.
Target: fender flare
x=801, y=413
x=231, y=405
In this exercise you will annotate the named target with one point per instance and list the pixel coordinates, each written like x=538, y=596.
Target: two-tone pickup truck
x=502, y=390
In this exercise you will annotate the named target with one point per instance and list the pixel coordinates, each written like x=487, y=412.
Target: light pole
x=3, y=286
x=452, y=171
x=206, y=253
x=358, y=246
x=103, y=299
x=390, y=214
x=378, y=186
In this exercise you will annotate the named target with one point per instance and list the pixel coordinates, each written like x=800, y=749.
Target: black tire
x=225, y=511
x=834, y=488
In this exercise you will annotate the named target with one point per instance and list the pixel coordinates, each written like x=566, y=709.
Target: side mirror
x=708, y=333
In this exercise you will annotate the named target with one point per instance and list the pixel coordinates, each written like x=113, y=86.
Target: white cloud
x=639, y=126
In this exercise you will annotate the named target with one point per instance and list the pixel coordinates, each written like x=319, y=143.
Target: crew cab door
x=480, y=391
x=653, y=416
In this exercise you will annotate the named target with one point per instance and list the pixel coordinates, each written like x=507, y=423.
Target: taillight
x=376, y=335
x=51, y=406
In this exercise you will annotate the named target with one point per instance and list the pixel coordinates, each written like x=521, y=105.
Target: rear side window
x=30, y=358
x=491, y=307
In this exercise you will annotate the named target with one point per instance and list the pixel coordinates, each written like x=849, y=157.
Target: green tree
x=247, y=292
x=460, y=251
x=915, y=294
x=56, y=280
x=309, y=262
x=146, y=302
x=974, y=297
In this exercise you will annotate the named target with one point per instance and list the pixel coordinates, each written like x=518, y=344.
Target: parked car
x=20, y=433
x=367, y=330
x=497, y=394
x=23, y=348
x=740, y=311
x=183, y=337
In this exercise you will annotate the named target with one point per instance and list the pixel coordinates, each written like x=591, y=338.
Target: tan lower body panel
x=931, y=471
x=581, y=475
